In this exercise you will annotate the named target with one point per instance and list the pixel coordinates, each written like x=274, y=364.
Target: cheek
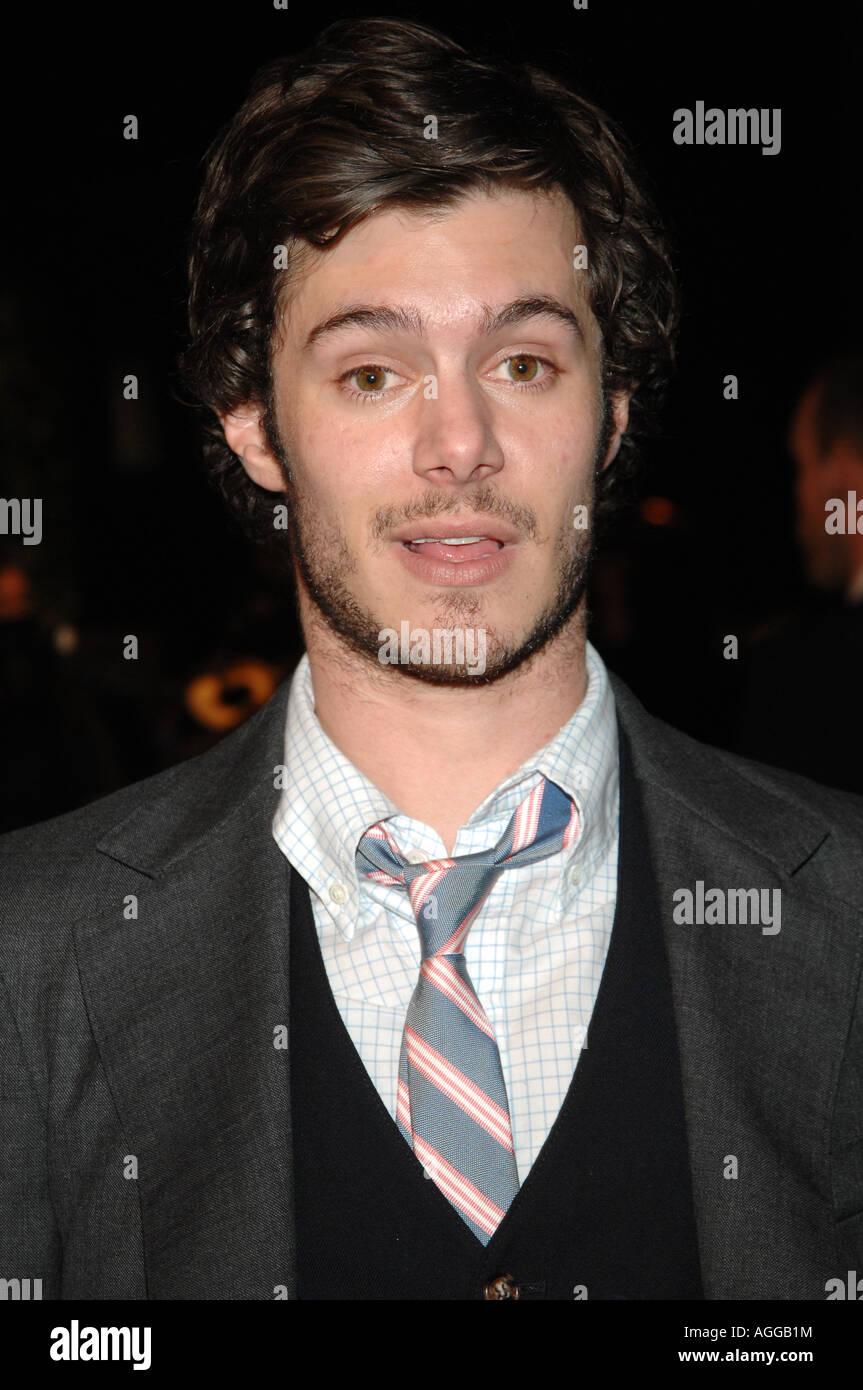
x=316, y=463
x=569, y=432
x=337, y=458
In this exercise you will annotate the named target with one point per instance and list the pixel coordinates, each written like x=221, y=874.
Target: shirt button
x=501, y=1286
x=338, y=893
x=575, y=875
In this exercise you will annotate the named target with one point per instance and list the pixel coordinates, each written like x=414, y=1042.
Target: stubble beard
x=325, y=562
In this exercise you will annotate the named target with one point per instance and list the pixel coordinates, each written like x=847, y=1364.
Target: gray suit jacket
x=146, y=1122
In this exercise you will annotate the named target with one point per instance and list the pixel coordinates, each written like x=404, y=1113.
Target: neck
x=438, y=751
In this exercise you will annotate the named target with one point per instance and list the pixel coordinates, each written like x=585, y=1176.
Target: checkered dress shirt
x=537, y=949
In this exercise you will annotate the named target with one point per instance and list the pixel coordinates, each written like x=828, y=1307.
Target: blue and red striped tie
x=452, y=1107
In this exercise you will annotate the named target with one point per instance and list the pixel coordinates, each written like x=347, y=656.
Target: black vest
x=606, y=1209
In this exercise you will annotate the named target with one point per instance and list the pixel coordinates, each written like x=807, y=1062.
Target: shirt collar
x=582, y=759
x=327, y=804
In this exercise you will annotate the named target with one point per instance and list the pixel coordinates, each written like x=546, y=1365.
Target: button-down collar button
x=501, y=1286
x=574, y=875
x=338, y=893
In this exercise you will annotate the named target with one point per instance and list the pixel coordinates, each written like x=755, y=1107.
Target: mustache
x=484, y=500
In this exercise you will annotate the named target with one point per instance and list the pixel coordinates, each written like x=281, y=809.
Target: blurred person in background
x=41, y=688
x=803, y=701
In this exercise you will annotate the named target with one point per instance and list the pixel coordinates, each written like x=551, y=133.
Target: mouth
x=456, y=549
x=456, y=543
x=462, y=553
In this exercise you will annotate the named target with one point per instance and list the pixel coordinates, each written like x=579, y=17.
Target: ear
x=245, y=437
x=620, y=415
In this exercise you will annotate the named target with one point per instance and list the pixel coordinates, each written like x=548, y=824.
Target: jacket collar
x=209, y=794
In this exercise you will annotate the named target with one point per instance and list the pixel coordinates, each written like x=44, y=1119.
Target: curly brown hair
x=334, y=134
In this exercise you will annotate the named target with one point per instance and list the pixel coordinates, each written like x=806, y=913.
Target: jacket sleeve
x=30, y=1245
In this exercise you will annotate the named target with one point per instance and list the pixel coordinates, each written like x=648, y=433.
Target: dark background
x=92, y=287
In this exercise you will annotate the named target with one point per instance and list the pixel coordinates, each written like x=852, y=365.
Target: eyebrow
x=388, y=318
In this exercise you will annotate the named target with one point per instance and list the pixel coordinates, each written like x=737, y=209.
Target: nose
x=456, y=443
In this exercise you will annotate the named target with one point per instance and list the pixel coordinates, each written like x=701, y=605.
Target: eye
x=524, y=367
x=370, y=379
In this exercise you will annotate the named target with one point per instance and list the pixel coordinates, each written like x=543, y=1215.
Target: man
x=398, y=992
x=826, y=690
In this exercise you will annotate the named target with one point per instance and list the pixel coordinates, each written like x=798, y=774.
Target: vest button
x=501, y=1286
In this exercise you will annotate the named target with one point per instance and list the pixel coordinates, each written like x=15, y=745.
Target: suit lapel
x=186, y=1002
x=762, y=1019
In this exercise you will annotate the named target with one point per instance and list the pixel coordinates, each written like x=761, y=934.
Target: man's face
x=409, y=435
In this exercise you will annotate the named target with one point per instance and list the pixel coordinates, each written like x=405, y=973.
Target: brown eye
x=374, y=378
x=524, y=367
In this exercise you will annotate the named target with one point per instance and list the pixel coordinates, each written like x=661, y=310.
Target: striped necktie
x=452, y=1107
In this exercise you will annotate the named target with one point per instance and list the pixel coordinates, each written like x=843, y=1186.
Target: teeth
x=448, y=540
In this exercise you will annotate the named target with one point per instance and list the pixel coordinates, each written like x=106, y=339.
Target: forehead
x=484, y=248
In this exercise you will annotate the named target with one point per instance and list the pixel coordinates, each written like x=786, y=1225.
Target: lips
x=447, y=551
x=457, y=549
x=450, y=529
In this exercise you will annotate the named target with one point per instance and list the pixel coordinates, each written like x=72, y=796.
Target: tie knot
x=446, y=894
